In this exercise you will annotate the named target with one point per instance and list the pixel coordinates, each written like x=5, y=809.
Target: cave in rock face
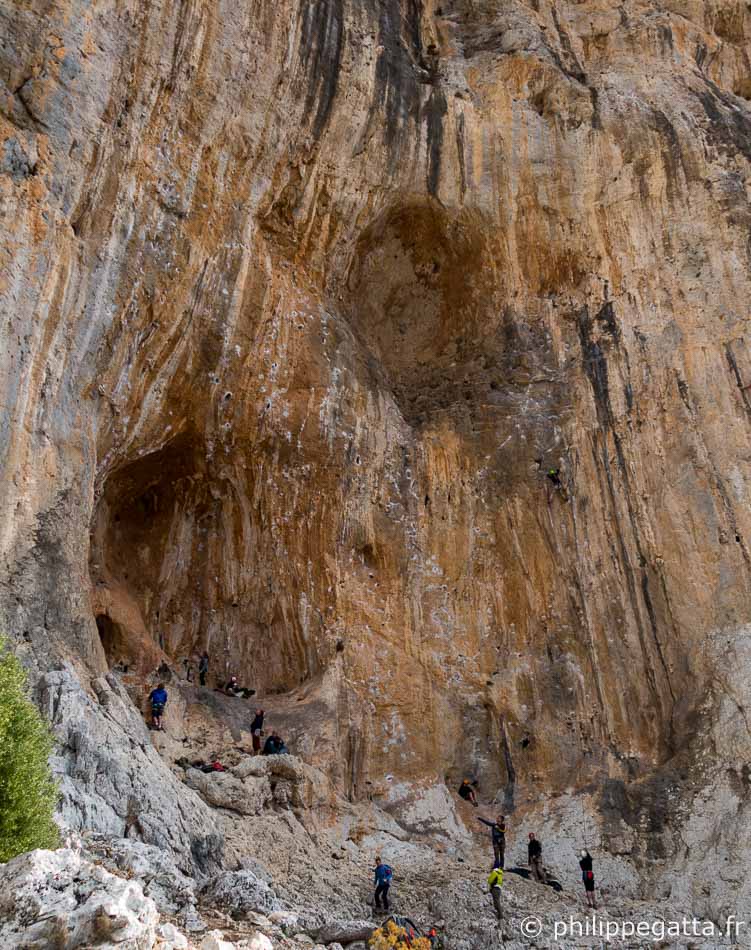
x=116, y=642
x=431, y=303
x=174, y=572
x=146, y=548
x=428, y=301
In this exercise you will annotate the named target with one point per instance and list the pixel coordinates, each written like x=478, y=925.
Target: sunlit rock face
x=301, y=301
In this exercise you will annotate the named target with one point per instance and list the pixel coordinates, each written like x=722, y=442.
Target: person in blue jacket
x=383, y=876
x=158, y=700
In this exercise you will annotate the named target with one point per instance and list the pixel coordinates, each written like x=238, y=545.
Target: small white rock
x=172, y=938
x=259, y=942
x=214, y=940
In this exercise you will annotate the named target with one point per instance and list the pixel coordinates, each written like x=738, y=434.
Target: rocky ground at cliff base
x=89, y=895
x=289, y=862
x=271, y=850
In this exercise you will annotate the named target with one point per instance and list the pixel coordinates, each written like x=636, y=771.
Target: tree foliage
x=28, y=794
x=392, y=937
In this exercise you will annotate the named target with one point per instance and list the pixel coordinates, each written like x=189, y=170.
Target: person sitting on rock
x=273, y=745
x=256, y=730
x=383, y=876
x=158, y=700
x=232, y=689
x=467, y=792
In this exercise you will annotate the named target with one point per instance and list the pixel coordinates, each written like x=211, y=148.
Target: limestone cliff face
x=294, y=296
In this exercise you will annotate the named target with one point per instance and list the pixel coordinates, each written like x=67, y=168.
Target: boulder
x=254, y=765
x=214, y=940
x=171, y=938
x=190, y=920
x=428, y=811
x=171, y=890
x=292, y=781
x=344, y=932
x=239, y=892
x=59, y=899
x=258, y=942
x=224, y=790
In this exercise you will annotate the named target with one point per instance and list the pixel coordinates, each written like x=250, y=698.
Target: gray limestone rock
x=246, y=796
x=112, y=780
x=59, y=899
x=238, y=892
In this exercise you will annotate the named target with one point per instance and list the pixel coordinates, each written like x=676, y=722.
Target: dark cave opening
x=181, y=563
x=426, y=294
x=431, y=305
x=112, y=640
x=134, y=532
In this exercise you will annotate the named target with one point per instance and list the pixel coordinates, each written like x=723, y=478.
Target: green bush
x=28, y=794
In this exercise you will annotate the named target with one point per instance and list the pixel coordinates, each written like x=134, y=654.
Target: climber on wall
x=467, y=792
x=494, y=883
x=203, y=668
x=256, y=730
x=588, y=877
x=499, y=839
x=534, y=859
x=158, y=700
x=553, y=475
x=383, y=877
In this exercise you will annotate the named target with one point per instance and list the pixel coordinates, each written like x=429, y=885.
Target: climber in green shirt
x=494, y=883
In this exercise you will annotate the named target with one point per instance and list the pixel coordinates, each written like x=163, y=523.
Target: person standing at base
x=534, y=859
x=203, y=668
x=499, y=839
x=158, y=700
x=256, y=731
x=494, y=883
x=588, y=877
x=383, y=876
